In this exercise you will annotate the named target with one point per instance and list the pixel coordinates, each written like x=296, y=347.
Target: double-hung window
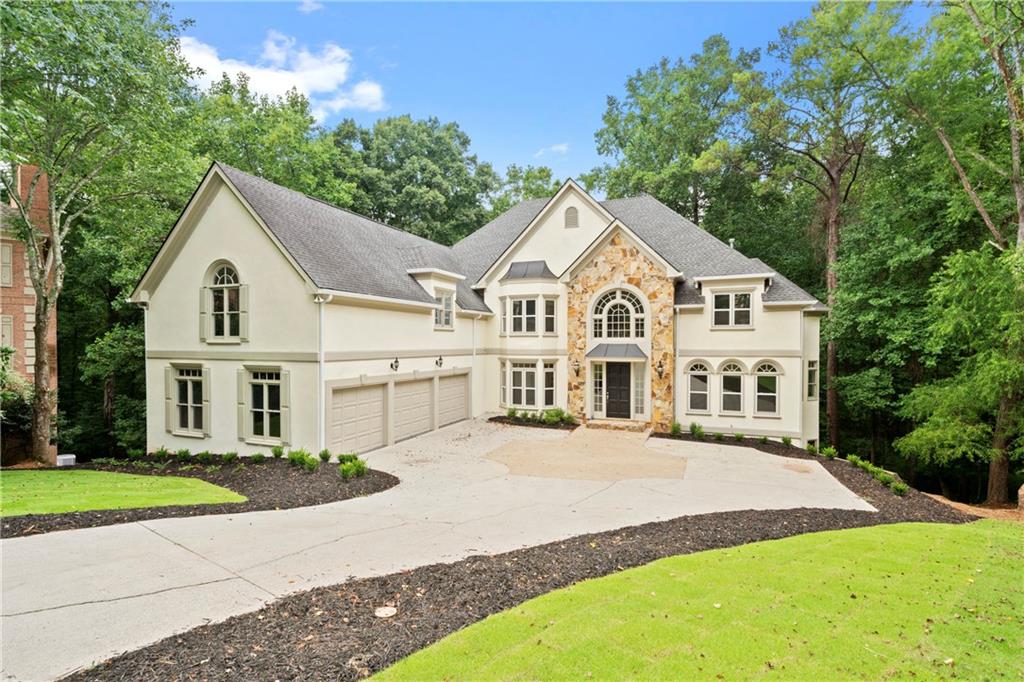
x=443, y=315
x=265, y=404
x=524, y=316
x=697, y=387
x=732, y=388
x=226, y=303
x=766, y=398
x=732, y=310
x=524, y=384
x=549, y=316
x=188, y=391
x=504, y=316
x=812, y=379
x=549, y=384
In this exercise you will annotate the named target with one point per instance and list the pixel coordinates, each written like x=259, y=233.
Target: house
x=276, y=318
x=18, y=297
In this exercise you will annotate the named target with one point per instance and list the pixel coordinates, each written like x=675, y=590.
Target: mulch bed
x=502, y=419
x=272, y=484
x=332, y=633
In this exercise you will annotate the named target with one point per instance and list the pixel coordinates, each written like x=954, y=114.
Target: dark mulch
x=502, y=419
x=270, y=485
x=331, y=633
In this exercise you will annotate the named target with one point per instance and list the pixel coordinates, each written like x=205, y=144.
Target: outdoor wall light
x=576, y=367
x=439, y=361
x=660, y=368
x=394, y=364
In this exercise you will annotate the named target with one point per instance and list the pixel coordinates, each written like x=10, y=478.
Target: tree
x=418, y=176
x=85, y=84
x=671, y=115
x=817, y=112
x=977, y=324
x=522, y=183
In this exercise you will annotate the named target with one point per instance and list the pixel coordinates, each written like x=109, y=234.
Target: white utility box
x=65, y=460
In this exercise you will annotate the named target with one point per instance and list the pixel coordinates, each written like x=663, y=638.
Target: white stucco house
x=276, y=318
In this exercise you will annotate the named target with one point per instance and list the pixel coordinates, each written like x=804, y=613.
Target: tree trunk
x=999, y=467
x=832, y=284
x=42, y=402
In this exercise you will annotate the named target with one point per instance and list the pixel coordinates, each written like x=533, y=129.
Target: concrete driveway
x=73, y=598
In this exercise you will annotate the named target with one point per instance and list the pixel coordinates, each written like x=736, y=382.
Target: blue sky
x=527, y=82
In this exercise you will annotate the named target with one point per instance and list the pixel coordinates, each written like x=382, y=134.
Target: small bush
x=105, y=461
x=136, y=454
x=257, y=458
x=552, y=417
x=325, y=455
x=696, y=430
x=787, y=441
x=719, y=436
x=763, y=440
x=676, y=429
x=311, y=463
x=347, y=457
x=812, y=448
x=853, y=459
x=738, y=436
x=900, y=488
x=297, y=457
x=229, y=457
x=205, y=457
x=828, y=452
x=162, y=454
x=511, y=413
x=885, y=479
x=183, y=455
x=277, y=451
x=352, y=469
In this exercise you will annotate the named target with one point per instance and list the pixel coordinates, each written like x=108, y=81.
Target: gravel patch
x=270, y=485
x=333, y=632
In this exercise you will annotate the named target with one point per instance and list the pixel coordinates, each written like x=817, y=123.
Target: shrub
x=297, y=457
x=853, y=459
x=885, y=479
x=552, y=417
x=512, y=414
x=311, y=463
x=676, y=429
x=136, y=454
x=229, y=457
x=569, y=418
x=828, y=452
x=719, y=436
x=900, y=488
x=352, y=469
x=696, y=430
x=812, y=448
x=787, y=441
x=162, y=453
x=738, y=436
x=205, y=457
x=325, y=455
x=277, y=451
x=105, y=461
x=183, y=455
x=347, y=457
x=763, y=440
x=257, y=457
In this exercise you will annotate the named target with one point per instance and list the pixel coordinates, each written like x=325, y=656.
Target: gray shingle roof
x=616, y=350
x=783, y=290
x=687, y=294
x=344, y=251
x=478, y=251
x=529, y=269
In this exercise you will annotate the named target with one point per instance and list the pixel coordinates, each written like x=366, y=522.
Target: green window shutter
x=207, y=386
x=243, y=312
x=168, y=399
x=204, y=295
x=286, y=420
x=241, y=404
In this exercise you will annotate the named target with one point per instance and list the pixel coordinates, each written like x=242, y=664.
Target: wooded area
x=879, y=168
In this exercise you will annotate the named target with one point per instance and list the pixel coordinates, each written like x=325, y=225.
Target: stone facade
x=620, y=262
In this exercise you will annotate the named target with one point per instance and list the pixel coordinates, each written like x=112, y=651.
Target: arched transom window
x=698, y=387
x=766, y=401
x=225, y=308
x=619, y=314
x=732, y=387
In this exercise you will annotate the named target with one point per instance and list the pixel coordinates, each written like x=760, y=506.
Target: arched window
x=732, y=387
x=697, y=387
x=224, y=305
x=619, y=314
x=766, y=398
x=572, y=217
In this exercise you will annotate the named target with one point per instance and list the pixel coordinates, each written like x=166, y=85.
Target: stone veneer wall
x=622, y=262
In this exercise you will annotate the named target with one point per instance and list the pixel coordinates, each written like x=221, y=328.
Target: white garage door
x=357, y=419
x=453, y=398
x=414, y=408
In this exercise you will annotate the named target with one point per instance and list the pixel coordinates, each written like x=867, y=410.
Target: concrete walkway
x=74, y=598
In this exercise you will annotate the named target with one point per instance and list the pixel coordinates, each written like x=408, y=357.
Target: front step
x=618, y=425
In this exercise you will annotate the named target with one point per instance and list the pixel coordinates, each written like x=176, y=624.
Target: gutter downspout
x=320, y=300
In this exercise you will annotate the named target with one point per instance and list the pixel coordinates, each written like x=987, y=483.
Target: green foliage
x=311, y=463
x=325, y=455
x=298, y=457
x=277, y=451
x=738, y=436
x=257, y=458
x=812, y=448
x=676, y=429
x=163, y=454
x=787, y=441
x=719, y=436
x=15, y=398
x=522, y=183
x=511, y=413
x=828, y=452
x=697, y=431
x=205, y=457
x=229, y=457
x=183, y=455
x=352, y=468
x=900, y=488
x=347, y=457
x=763, y=440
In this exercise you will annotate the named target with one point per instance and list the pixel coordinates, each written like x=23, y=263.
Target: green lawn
x=910, y=600
x=53, y=492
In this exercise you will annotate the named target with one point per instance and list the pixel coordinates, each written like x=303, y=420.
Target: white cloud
x=320, y=75
x=562, y=148
x=309, y=6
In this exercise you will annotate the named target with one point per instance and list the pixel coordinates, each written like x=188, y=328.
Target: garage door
x=357, y=419
x=453, y=399
x=414, y=408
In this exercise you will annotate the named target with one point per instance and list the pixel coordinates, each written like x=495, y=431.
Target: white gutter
x=320, y=300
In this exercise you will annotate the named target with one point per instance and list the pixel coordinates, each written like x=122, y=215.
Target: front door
x=618, y=390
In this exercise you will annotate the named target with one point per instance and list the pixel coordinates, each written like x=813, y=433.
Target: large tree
x=85, y=85
x=521, y=183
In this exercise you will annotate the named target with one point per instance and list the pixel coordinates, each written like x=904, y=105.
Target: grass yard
x=908, y=600
x=53, y=492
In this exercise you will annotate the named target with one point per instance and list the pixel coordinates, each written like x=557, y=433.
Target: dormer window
x=444, y=315
x=572, y=217
x=619, y=314
x=732, y=310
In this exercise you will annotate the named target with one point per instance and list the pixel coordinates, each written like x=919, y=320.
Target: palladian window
x=223, y=306
x=619, y=314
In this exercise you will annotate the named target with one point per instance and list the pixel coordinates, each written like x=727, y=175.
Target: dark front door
x=618, y=390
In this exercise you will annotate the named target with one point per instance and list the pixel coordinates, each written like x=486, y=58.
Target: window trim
x=523, y=368
x=503, y=325
x=698, y=368
x=812, y=366
x=446, y=300
x=523, y=316
x=207, y=315
x=553, y=317
x=549, y=369
x=775, y=373
x=503, y=383
x=732, y=309
x=636, y=305
x=171, y=415
x=246, y=432
x=6, y=264
x=722, y=392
